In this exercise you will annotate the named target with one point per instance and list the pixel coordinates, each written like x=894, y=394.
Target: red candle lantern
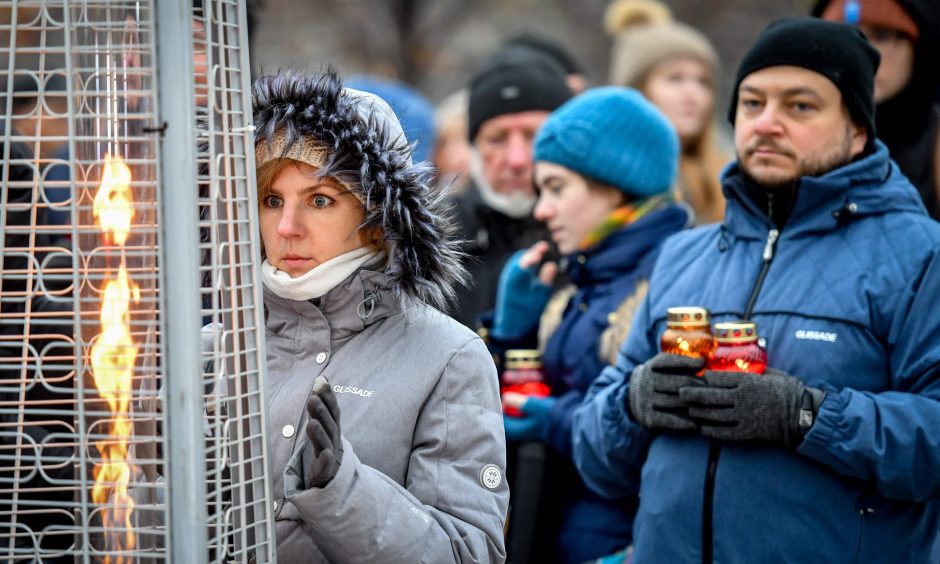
x=737, y=348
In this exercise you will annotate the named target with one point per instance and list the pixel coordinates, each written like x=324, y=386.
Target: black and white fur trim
x=399, y=196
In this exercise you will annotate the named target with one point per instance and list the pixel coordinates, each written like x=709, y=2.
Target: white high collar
x=320, y=279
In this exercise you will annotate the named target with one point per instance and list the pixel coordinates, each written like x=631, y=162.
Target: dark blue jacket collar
x=868, y=186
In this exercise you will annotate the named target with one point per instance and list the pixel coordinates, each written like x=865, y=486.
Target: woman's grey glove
x=321, y=462
x=653, y=395
x=739, y=406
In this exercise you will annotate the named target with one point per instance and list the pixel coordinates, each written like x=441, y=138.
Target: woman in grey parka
x=384, y=413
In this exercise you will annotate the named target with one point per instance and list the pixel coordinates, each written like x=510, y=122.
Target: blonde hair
x=267, y=172
x=645, y=34
x=699, y=182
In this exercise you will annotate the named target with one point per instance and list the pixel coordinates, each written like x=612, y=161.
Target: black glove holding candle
x=653, y=398
x=739, y=406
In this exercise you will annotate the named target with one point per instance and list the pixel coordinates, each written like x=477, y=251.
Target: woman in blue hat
x=605, y=162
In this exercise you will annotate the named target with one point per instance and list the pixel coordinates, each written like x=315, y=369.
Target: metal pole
x=257, y=426
x=179, y=266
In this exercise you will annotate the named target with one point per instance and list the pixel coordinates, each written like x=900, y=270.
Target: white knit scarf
x=322, y=278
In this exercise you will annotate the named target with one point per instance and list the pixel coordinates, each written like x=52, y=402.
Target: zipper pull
x=772, y=236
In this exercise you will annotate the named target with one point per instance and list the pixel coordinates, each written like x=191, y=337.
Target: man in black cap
x=833, y=450
x=510, y=97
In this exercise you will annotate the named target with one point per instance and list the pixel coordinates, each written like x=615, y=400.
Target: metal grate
x=126, y=433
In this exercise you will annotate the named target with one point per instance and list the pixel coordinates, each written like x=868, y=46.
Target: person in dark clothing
x=510, y=97
x=907, y=34
x=34, y=331
x=826, y=246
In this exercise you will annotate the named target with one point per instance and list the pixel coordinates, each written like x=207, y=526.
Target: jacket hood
x=368, y=149
x=870, y=186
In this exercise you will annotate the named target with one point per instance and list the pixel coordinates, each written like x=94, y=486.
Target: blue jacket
x=604, y=276
x=849, y=304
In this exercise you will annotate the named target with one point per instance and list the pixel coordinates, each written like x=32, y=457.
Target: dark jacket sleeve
x=608, y=447
x=559, y=434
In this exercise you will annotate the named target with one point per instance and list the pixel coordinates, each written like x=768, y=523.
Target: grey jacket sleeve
x=455, y=500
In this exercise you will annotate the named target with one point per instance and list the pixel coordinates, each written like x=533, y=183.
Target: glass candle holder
x=688, y=332
x=737, y=349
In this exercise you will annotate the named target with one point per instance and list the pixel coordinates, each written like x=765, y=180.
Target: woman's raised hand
x=522, y=293
x=533, y=256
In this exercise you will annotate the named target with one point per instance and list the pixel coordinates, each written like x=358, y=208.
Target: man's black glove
x=653, y=397
x=324, y=453
x=738, y=406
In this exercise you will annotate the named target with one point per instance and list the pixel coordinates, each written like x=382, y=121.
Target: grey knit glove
x=324, y=453
x=653, y=397
x=771, y=407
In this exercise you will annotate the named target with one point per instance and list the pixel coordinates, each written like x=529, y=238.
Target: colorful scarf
x=620, y=217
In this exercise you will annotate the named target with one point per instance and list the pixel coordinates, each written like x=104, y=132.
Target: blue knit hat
x=614, y=136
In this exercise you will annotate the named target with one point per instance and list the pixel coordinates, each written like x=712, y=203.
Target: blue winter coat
x=604, y=276
x=849, y=304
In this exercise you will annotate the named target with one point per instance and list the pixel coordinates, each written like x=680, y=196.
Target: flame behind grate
x=112, y=358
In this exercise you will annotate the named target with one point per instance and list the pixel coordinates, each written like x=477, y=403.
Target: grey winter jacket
x=422, y=477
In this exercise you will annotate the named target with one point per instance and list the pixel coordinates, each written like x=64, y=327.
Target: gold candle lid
x=736, y=332
x=523, y=358
x=694, y=316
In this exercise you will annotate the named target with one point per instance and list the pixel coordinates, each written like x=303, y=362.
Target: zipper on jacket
x=768, y=256
x=714, y=448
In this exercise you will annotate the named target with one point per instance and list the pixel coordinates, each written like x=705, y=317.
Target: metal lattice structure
x=128, y=220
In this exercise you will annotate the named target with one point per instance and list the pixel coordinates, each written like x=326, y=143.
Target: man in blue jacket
x=833, y=454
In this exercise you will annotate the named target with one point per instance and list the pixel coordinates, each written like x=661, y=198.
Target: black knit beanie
x=546, y=46
x=835, y=50
x=512, y=81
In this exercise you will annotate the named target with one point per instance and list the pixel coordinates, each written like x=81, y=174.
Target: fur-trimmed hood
x=368, y=150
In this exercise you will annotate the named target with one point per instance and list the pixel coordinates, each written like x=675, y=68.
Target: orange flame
x=112, y=360
x=114, y=203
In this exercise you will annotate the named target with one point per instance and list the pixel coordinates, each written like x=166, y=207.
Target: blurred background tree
x=435, y=45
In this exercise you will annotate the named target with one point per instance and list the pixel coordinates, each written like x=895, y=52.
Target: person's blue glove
x=520, y=299
x=535, y=421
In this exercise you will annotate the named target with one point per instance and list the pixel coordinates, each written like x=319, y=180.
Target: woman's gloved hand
x=324, y=453
x=535, y=421
x=524, y=290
